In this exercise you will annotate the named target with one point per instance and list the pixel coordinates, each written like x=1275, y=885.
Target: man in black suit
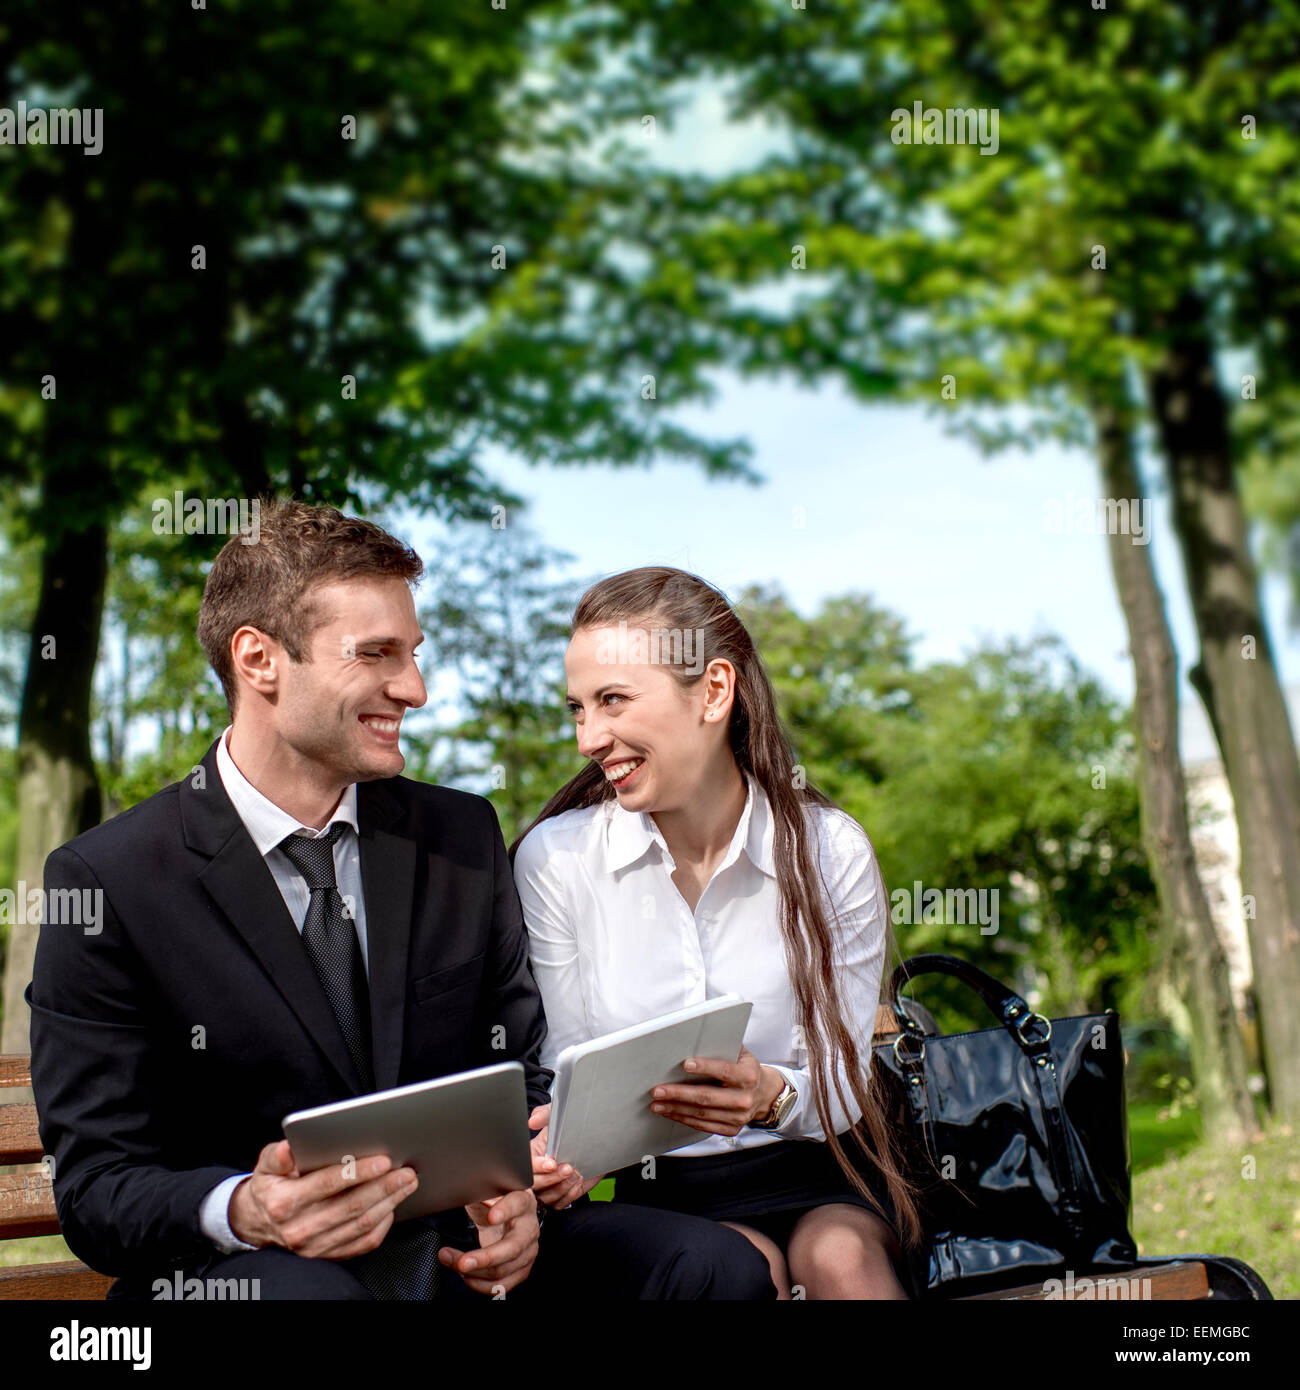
x=292, y=924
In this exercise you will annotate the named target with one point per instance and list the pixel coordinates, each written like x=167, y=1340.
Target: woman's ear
x=719, y=689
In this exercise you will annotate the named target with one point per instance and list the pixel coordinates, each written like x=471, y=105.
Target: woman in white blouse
x=690, y=859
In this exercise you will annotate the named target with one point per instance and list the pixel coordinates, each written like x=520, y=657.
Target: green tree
x=158, y=705
x=17, y=602
x=498, y=619
x=980, y=775
x=326, y=249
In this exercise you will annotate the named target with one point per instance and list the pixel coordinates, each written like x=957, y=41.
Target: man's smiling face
x=342, y=710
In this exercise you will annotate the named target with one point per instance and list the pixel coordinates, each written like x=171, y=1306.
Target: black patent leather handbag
x=1017, y=1136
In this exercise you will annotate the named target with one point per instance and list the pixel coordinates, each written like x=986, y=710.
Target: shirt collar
x=266, y=822
x=630, y=834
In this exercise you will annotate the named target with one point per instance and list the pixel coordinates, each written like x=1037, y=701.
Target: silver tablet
x=466, y=1135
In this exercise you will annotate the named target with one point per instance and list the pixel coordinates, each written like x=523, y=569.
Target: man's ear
x=256, y=658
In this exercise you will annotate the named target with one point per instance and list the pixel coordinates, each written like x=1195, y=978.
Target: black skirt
x=768, y=1187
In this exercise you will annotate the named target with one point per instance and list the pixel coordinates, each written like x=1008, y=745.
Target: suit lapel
x=243, y=887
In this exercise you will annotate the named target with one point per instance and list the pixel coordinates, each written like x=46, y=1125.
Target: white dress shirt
x=268, y=825
x=613, y=942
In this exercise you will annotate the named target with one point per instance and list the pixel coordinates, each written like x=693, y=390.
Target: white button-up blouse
x=613, y=942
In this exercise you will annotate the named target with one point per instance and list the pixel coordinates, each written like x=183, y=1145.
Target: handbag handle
x=1006, y=1005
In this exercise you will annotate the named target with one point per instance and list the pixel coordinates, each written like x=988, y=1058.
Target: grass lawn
x=1215, y=1200
x=1153, y=1139
x=34, y=1250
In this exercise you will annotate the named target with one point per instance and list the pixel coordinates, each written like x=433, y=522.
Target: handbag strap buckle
x=1029, y=1018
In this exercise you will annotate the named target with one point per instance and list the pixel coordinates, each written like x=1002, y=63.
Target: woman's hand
x=746, y=1090
x=557, y=1185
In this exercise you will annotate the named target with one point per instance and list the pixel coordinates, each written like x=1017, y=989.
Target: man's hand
x=558, y=1185
x=323, y=1215
x=747, y=1090
x=507, y=1231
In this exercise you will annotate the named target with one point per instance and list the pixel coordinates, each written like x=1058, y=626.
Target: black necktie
x=406, y=1265
x=330, y=936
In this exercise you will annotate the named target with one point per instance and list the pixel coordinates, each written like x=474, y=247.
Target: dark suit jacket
x=167, y=1048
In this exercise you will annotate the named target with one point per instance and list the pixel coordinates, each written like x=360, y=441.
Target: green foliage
x=978, y=775
x=498, y=619
x=153, y=682
x=8, y=830
x=18, y=571
x=453, y=258
x=17, y=606
x=1157, y=1066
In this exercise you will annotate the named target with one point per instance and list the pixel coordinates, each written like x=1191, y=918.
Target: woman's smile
x=621, y=773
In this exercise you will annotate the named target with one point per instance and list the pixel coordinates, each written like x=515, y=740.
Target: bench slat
x=27, y=1206
x=20, y=1140
x=1173, y=1282
x=15, y=1069
x=61, y=1279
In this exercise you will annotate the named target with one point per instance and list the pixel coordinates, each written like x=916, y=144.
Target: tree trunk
x=1237, y=679
x=1194, y=952
x=58, y=791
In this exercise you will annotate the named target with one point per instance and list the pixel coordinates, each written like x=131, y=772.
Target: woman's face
x=656, y=739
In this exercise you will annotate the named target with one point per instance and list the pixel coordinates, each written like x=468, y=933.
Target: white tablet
x=466, y=1135
x=600, y=1100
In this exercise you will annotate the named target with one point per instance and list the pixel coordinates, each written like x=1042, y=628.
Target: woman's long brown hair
x=663, y=598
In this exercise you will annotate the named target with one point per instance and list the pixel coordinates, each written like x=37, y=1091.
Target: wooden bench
x=27, y=1203
x=27, y=1209
x=1183, y=1281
